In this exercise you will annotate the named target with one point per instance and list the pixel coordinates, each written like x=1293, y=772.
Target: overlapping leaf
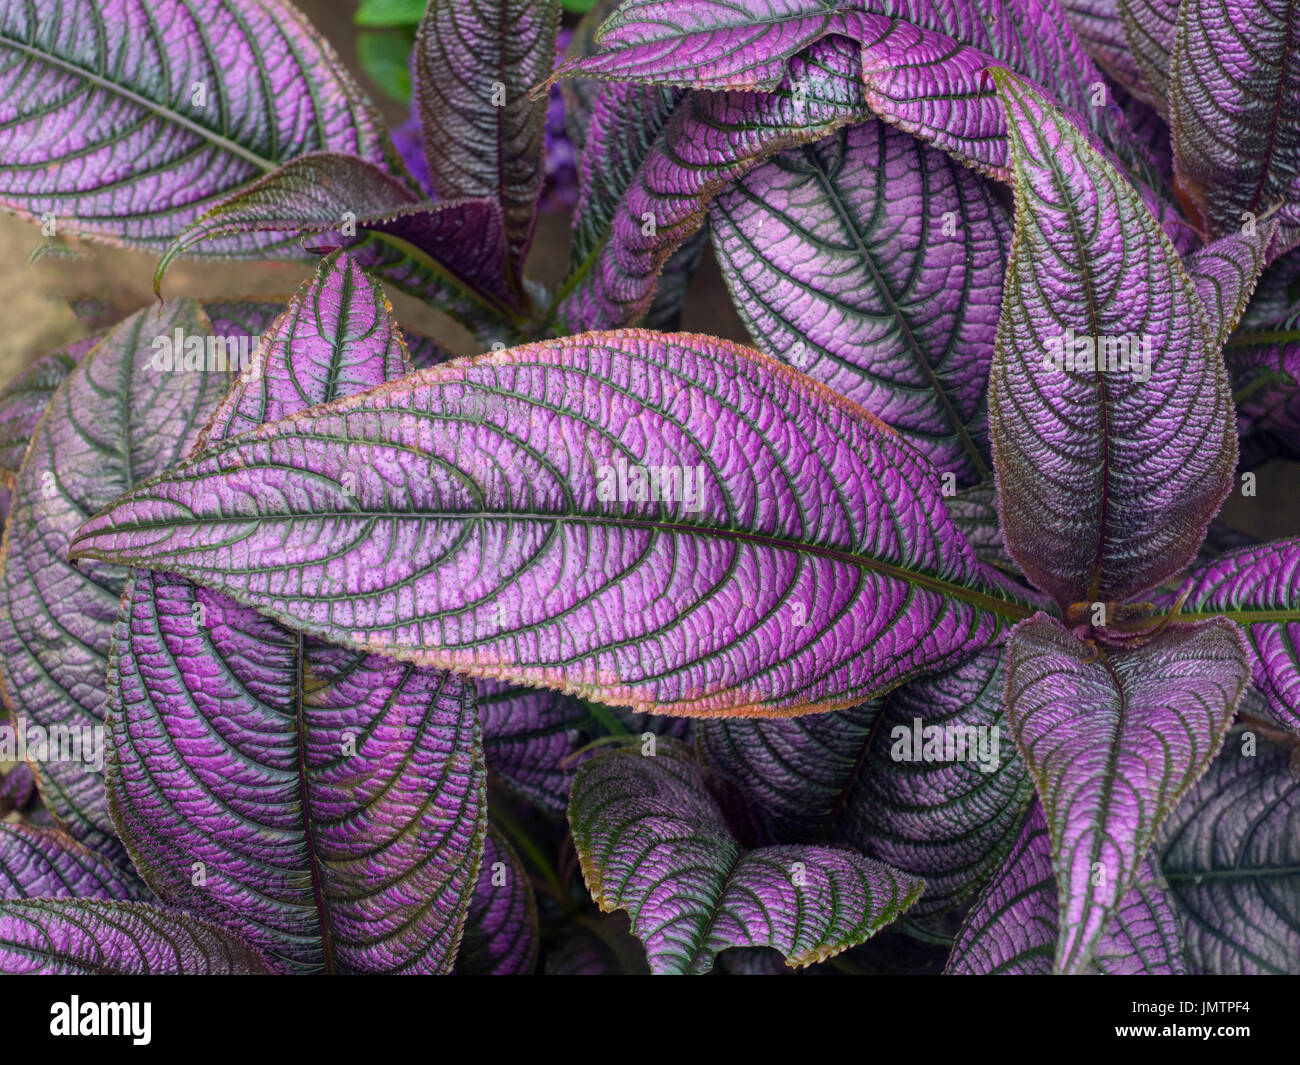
x=475, y=62
x=1106, y=478
x=529, y=735
x=653, y=841
x=874, y=264
x=1234, y=105
x=928, y=782
x=1225, y=274
x=114, y=421
x=1231, y=854
x=1149, y=29
x=91, y=937
x=501, y=937
x=325, y=804
x=1113, y=739
x=1100, y=28
x=797, y=558
x=48, y=863
x=126, y=119
x=1013, y=928
x=1265, y=368
x=1258, y=587
x=24, y=400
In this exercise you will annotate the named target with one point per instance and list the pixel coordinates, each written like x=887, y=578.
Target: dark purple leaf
x=127, y=119
x=652, y=841
x=48, y=863
x=801, y=560
x=475, y=62
x=1013, y=928
x=529, y=737
x=1231, y=854
x=24, y=400
x=1106, y=477
x=92, y=937
x=501, y=929
x=1113, y=739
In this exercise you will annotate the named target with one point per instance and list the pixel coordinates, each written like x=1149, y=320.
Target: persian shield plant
x=325, y=650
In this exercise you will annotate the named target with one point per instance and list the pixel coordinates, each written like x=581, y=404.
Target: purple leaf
x=1234, y=102
x=1258, y=587
x=1100, y=27
x=1113, y=739
x=501, y=937
x=1013, y=928
x=1149, y=29
x=476, y=61
x=451, y=253
x=1106, y=477
x=127, y=119
x=24, y=400
x=48, y=863
x=1231, y=854
x=86, y=937
x=975, y=513
x=895, y=308
x=1265, y=368
x=930, y=783
x=529, y=735
x=326, y=805
x=653, y=841
x=114, y=421
x=798, y=557
x=17, y=789
x=1225, y=273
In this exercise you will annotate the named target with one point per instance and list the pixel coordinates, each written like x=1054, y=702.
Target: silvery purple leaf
x=653, y=841
x=928, y=781
x=325, y=804
x=1013, y=928
x=1100, y=28
x=451, y=253
x=646, y=519
x=114, y=421
x=975, y=513
x=874, y=264
x=475, y=62
x=17, y=789
x=1258, y=587
x=125, y=120
x=85, y=937
x=1234, y=104
x=1113, y=739
x=1231, y=854
x=48, y=863
x=529, y=736
x=501, y=937
x=1149, y=29
x=1225, y=273
x=24, y=400
x=1109, y=405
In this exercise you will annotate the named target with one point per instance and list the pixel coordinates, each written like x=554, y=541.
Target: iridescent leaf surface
x=501, y=937
x=48, y=863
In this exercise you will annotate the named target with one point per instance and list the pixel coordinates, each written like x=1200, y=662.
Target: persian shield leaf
x=115, y=420
x=24, y=400
x=89, y=937
x=1013, y=927
x=1258, y=587
x=926, y=780
x=325, y=804
x=501, y=937
x=529, y=735
x=1149, y=29
x=48, y=863
x=1225, y=273
x=662, y=521
x=476, y=61
x=1231, y=854
x=1113, y=739
x=874, y=264
x=654, y=842
x=1106, y=477
x=127, y=119
x=1234, y=103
